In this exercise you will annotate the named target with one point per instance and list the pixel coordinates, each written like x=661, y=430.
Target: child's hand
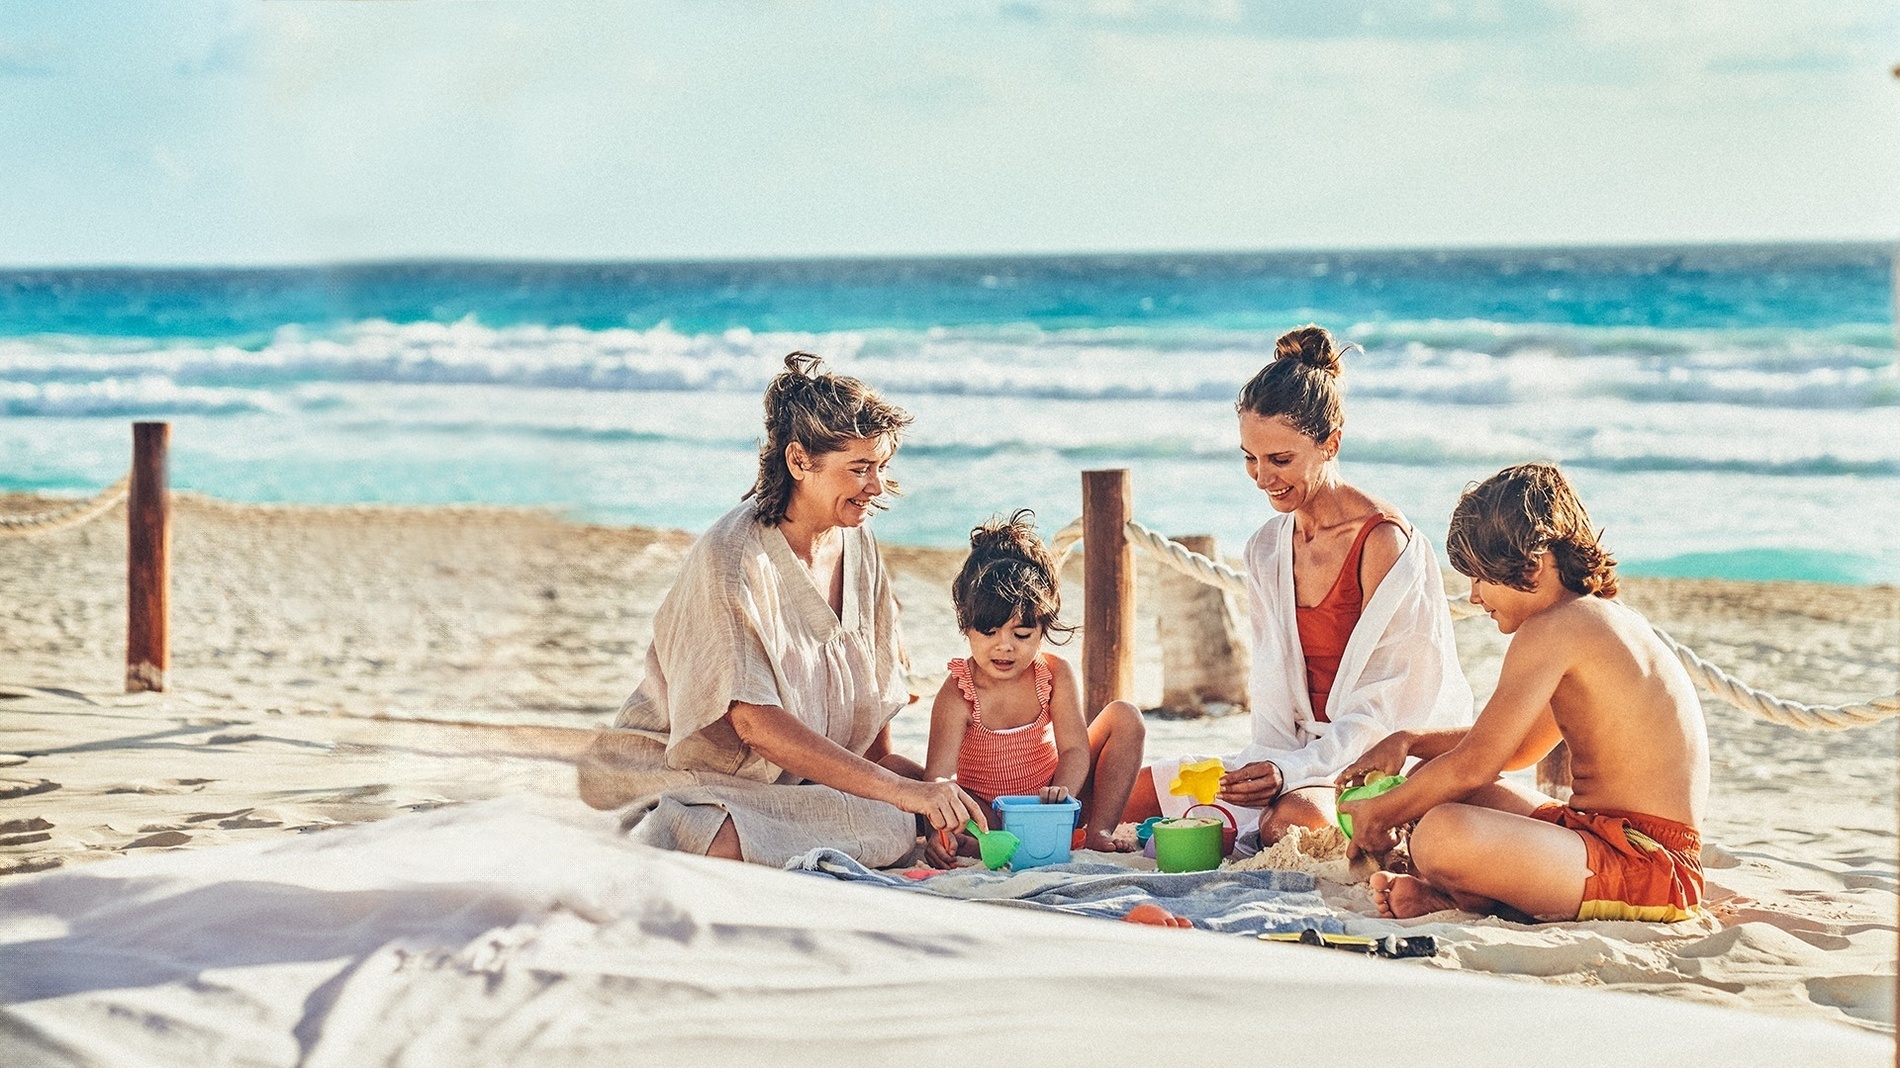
x=1386, y=758
x=941, y=848
x=1372, y=834
x=1054, y=795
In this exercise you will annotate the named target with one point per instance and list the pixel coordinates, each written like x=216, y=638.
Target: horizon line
x=954, y=257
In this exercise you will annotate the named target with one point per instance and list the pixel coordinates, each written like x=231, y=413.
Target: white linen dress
x=745, y=622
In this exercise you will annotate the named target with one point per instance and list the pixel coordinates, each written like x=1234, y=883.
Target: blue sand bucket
x=1044, y=829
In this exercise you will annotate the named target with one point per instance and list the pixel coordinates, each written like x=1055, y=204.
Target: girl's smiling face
x=1286, y=464
x=1005, y=653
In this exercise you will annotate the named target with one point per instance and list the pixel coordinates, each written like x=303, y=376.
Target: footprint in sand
x=1864, y=997
x=239, y=819
x=162, y=838
x=24, y=832
x=11, y=788
x=159, y=786
x=28, y=865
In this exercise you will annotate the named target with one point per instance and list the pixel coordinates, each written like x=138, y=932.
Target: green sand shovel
x=996, y=846
x=1371, y=789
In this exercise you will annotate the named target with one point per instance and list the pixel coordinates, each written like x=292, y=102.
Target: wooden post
x=148, y=656
x=1108, y=608
x=1204, y=654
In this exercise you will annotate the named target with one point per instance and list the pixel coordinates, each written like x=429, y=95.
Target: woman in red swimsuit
x=1339, y=660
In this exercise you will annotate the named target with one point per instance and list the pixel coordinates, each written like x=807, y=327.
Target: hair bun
x=1312, y=345
x=1012, y=537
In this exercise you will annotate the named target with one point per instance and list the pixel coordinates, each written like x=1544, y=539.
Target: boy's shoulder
x=1582, y=621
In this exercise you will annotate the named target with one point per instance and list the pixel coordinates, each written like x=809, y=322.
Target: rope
x=1729, y=688
x=1776, y=709
x=1065, y=541
x=27, y=526
x=1187, y=561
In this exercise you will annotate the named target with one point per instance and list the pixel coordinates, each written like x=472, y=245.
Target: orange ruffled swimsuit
x=1017, y=760
x=1641, y=867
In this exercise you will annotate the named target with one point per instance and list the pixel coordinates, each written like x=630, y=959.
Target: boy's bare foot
x=1104, y=842
x=1402, y=897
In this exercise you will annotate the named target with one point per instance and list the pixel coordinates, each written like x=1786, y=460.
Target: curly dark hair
x=1009, y=574
x=1501, y=525
x=1300, y=384
x=821, y=412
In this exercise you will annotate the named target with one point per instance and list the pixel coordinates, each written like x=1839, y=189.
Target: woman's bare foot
x=1105, y=842
x=1402, y=897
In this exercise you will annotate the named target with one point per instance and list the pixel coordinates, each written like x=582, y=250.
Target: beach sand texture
x=316, y=652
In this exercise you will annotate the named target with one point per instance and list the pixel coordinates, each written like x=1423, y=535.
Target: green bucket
x=1188, y=844
x=1371, y=789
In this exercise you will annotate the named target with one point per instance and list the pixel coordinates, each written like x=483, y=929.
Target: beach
x=339, y=666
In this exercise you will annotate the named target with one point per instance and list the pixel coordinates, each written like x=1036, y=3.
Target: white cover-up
x=1399, y=671
x=744, y=622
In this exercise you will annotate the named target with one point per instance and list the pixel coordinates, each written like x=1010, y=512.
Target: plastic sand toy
x=1188, y=844
x=1199, y=780
x=1228, y=833
x=1392, y=946
x=1043, y=829
x=1155, y=916
x=1357, y=793
x=996, y=846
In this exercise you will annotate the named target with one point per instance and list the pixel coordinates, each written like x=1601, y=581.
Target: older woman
x=761, y=729
x=1351, y=635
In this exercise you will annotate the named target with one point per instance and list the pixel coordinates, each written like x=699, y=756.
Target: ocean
x=1726, y=411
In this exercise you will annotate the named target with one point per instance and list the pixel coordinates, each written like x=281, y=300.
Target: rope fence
x=1767, y=706
x=67, y=516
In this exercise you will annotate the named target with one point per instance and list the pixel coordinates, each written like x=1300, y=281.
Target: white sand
x=295, y=629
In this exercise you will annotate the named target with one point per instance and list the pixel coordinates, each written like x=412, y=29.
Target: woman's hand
x=1054, y=795
x=942, y=802
x=1251, y=785
x=1386, y=758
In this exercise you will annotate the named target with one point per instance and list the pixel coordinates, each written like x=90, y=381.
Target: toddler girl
x=1009, y=718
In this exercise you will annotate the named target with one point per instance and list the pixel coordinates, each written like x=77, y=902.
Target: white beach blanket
x=533, y=933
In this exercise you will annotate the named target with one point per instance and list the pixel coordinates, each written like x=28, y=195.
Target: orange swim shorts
x=1641, y=867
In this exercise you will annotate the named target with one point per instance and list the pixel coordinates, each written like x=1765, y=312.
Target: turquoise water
x=1773, y=565
x=1727, y=412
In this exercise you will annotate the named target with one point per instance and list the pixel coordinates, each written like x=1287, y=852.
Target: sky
x=225, y=132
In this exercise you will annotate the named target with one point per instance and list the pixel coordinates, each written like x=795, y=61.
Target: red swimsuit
x=1327, y=626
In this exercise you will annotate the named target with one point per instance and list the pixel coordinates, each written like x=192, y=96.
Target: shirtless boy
x=1581, y=669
